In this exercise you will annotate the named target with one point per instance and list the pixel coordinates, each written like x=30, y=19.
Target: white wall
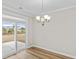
x=58, y=34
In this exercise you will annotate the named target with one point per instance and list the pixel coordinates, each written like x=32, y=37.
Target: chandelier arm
x=43, y=23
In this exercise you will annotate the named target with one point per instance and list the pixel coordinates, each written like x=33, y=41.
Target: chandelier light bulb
x=45, y=16
x=38, y=18
x=48, y=17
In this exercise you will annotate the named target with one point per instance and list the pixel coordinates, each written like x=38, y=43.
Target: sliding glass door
x=13, y=37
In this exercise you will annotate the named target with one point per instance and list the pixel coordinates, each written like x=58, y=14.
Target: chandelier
x=44, y=18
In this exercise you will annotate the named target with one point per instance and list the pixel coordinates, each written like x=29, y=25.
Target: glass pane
x=8, y=42
x=21, y=30
x=8, y=33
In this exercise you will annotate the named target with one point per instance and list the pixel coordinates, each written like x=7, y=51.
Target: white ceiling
x=33, y=7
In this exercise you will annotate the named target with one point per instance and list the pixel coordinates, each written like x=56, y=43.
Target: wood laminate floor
x=35, y=53
x=23, y=55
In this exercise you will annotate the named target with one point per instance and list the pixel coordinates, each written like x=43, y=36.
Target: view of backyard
x=8, y=33
x=9, y=37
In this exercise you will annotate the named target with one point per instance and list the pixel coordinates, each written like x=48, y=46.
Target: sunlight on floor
x=9, y=48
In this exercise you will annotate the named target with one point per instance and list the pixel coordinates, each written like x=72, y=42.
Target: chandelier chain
x=42, y=6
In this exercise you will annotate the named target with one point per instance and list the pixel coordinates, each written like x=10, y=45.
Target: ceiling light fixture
x=43, y=19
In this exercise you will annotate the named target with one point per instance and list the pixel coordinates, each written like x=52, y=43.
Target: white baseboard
x=55, y=51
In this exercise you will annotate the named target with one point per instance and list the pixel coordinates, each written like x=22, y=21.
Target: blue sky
x=10, y=24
